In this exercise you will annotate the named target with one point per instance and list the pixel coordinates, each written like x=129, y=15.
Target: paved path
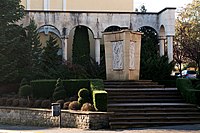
x=170, y=129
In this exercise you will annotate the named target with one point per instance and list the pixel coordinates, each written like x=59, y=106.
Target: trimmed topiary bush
x=37, y=103
x=87, y=107
x=15, y=102
x=84, y=93
x=66, y=105
x=75, y=105
x=23, y=102
x=46, y=104
x=24, y=82
x=9, y=102
x=59, y=92
x=2, y=101
x=25, y=90
x=61, y=102
x=100, y=100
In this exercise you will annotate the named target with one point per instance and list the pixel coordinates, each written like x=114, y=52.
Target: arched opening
x=162, y=43
x=90, y=36
x=112, y=28
x=46, y=31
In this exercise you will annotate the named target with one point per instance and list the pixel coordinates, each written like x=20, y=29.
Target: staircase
x=145, y=103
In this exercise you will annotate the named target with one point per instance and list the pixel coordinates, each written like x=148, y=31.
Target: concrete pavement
x=169, y=129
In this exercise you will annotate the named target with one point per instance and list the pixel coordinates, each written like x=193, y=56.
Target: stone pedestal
x=122, y=53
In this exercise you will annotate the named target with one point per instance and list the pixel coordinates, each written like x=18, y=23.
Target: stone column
x=28, y=5
x=64, y=5
x=64, y=48
x=162, y=45
x=97, y=50
x=170, y=47
x=46, y=4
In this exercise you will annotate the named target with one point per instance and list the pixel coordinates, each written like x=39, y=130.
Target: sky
x=158, y=5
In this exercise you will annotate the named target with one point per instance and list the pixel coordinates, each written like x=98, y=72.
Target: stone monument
x=122, y=53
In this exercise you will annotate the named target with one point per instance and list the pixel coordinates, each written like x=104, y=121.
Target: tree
x=188, y=31
x=50, y=60
x=34, y=48
x=81, y=46
x=153, y=66
x=10, y=39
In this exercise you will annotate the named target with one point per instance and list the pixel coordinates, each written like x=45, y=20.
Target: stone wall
x=43, y=117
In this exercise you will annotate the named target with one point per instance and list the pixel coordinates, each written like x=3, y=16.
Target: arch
x=49, y=28
x=112, y=28
x=148, y=29
x=70, y=42
x=162, y=31
x=46, y=30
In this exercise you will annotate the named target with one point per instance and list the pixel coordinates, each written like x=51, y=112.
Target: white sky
x=158, y=5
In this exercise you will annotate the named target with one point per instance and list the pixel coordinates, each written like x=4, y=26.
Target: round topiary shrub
x=2, y=101
x=59, y=91
x=61, y=102
x=24, y=82
x=31, y=103
x=9, y=102
x=25, y=90
x=66, y=105
x=87, y=107
x=74, y=98
x=46, y=104
x=15, y=102
x=84, y=93
x=23, y=102
x=37, y=103
x=75, y=105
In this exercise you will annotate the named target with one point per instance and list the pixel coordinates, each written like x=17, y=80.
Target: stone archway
x=46, y=31
x=71, y=39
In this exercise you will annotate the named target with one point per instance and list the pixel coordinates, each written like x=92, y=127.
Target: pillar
x=64, y=48
x=64, y=5
x=28, y=5
x=46, y=4
x=162, y=46
x=170, y=48
x=97, y=50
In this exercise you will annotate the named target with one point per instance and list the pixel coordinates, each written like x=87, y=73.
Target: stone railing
x=43, y=117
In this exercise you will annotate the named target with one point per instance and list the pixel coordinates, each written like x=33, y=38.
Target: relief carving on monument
x=117, y=49
x=132, y=55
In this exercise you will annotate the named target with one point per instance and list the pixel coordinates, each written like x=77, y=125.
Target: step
x=145, y=97
x=125, y=100
x=154, y=105
x=123, y=125
x=135, y=93
x=133, y=86
x=152, y=110
x=155, y=119
x=131, y=83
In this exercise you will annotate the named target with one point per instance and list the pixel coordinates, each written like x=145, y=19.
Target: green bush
x=100, y=100
x=59, y=92
x=84, y=93
x=66, y=105
x=61, y=102
x=24, y=82
x=75, y=105
x=25, y=90
x=186, y=89
x=87, y=107
x=45, y=88
x=97, y=84
x=46, y=104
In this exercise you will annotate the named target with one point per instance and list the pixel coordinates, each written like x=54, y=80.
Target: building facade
x=61, y=17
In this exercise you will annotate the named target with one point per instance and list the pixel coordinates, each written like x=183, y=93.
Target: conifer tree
x=81, y=46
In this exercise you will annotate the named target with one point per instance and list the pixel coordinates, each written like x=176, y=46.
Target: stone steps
x=145, y=103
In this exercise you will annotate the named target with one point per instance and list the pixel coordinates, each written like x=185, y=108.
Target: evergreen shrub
x=186, y=89
x=100, y=100
x=87, y=107
x=25, y=90
x=46, y=104
x=75, y=105
x=59, y=92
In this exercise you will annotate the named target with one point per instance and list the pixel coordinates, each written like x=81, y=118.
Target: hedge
x=45, y=88
x=100, y=100
x=187, y=90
